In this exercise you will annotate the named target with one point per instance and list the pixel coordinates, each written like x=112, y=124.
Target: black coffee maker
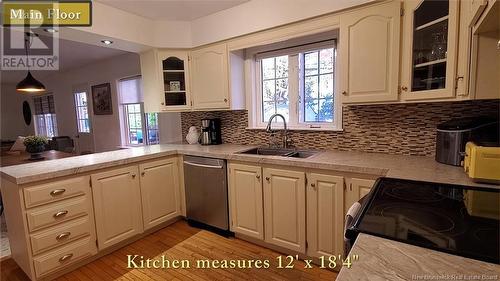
x=210, y=131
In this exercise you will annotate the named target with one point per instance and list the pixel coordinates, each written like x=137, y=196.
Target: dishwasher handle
x=202, y=165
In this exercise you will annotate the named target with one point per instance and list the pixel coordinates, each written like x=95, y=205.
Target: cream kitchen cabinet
x=369, y=53
x=210, y=82
x=325, y=215
x=117, y=205
x=245, y=198
x=165, y=80
x=284, y=208
x=429, y=49
x=160, y=191
x=355, y=190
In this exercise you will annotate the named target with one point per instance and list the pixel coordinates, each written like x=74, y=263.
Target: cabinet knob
x=66, y=257
x=143, y=173
x=62, y=236
x=56, y=192
x=268, y=179
x=225, y=100
x=133, y=176
x=404, y=88
x=313, y=185
x=344, y=93
x=162, y=103
x=60, y=214
x=258, y=177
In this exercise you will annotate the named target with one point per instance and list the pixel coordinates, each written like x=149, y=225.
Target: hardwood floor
x=178, y=242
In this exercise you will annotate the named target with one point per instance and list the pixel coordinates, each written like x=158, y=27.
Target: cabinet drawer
x=64, y=256
x=55, y=213
x=60, y=235
x=55, y=191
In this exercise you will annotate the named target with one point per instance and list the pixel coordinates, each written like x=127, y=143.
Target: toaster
x=482, y=163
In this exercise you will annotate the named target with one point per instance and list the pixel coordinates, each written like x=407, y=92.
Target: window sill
x=299, y=129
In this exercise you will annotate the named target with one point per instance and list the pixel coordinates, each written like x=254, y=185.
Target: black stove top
x=456, y=219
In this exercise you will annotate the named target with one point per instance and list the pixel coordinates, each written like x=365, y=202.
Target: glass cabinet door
x=430, y=47
x=174, y=81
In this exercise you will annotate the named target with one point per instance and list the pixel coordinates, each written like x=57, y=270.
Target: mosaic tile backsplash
x=407, y=129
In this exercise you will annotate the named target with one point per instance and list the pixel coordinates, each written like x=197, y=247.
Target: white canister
x=193, y=135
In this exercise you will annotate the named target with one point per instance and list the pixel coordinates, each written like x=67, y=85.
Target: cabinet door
x=284, y=209
x=117, y=205
x=174, y=73
x=159, y=191
x=210, y=80
x=245, y=195
x=356, y=189
x=151, y=84
x=325, y=215
x=369, y=54
x=430, y=38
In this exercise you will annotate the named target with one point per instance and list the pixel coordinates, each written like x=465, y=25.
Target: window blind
x=130, y=90
x=44, y=104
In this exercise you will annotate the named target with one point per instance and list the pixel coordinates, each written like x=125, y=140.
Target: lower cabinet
x=245, y=197
x=284, y=209
x=160, y=191
x=325, y=214
x=117, y=205
x=355, y=190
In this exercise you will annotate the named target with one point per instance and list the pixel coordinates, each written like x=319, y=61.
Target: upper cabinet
x=210, y=77
x=429, y=55
x=175, y=78
x=369, y=54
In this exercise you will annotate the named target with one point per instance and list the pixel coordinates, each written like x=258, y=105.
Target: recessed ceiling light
x=50, y=30
x=107, y=42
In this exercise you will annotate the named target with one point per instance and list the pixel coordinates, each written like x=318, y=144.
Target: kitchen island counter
x=375, y=164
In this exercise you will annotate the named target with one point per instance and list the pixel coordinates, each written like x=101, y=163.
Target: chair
x=63, y=143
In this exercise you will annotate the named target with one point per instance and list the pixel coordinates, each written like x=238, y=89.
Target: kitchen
x=298, y=148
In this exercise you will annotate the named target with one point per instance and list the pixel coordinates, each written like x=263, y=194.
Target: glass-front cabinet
x=175, y=80
x=430, y=37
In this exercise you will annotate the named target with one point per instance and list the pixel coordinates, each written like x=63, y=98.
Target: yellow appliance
x=482, y=163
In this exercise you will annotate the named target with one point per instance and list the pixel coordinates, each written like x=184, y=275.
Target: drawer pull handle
x=66, y=257
x=63, y=236
x=60, y=214
x=56, y=192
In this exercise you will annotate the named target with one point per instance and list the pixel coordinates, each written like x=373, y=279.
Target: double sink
x=283, y=152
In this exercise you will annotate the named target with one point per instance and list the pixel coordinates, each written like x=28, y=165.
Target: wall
x=106, y=128
x=11, y=109
x=407, y=129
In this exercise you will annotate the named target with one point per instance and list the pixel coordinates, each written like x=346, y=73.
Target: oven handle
x=202, y=165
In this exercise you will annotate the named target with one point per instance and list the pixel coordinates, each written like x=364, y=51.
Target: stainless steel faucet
x=270, y=130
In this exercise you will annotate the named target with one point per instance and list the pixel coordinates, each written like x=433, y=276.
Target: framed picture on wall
x=101, y=99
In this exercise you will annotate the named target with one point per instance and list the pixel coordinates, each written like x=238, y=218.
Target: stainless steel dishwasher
x=206, y=193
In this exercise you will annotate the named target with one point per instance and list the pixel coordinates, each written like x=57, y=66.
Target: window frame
x=295, y=88
x=78, y=119
x=41, y=130
x=127, y=125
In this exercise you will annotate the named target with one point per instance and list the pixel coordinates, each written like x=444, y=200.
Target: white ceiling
x=71, y=54
x=181, y=10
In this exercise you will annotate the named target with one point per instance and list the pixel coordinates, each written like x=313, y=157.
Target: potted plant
x=35, y=145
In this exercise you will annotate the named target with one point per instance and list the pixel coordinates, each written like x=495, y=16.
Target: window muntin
x=308, y=84
x=82, y=112
x=152, y=129
x=318, y=86
x=134, y=122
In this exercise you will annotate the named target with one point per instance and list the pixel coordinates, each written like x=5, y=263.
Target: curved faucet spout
x=269, y=127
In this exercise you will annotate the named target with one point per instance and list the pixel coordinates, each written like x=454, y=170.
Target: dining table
x=9, y=158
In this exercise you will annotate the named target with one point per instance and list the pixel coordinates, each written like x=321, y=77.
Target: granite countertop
x=382, y=259
x=376, y=164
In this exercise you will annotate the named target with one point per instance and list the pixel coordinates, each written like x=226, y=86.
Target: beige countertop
x=382, y=259
x=378, y=164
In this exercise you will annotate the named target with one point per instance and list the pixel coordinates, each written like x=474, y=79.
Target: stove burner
x=437, y=222
x=420, y=195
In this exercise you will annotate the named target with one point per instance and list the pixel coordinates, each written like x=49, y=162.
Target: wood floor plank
x=182, y=242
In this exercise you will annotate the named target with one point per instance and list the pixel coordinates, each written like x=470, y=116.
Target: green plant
x=35, y=141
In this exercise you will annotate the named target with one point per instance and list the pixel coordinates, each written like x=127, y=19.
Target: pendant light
x=29, y=84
